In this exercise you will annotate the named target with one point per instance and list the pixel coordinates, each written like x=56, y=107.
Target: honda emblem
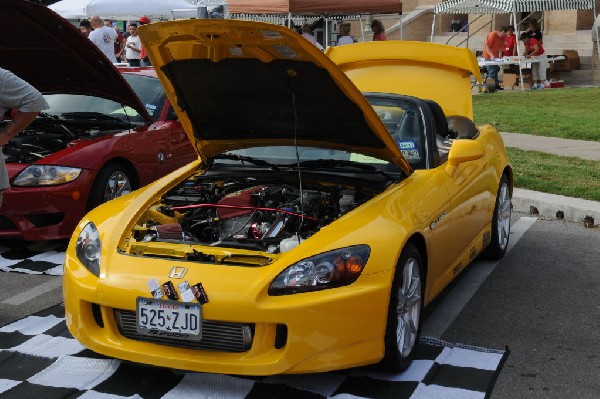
x=177, y=272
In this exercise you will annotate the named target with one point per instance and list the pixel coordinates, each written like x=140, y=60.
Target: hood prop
x=292, y=74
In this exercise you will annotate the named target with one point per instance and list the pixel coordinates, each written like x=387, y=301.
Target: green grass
x=571, y=113
x=539, y=171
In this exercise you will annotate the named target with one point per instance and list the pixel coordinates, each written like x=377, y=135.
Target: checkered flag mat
x=40, y=359
x=40, y=257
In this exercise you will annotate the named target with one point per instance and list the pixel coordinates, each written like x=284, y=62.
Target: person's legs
x=493, y=74
x=536, y=76
x=133, y=62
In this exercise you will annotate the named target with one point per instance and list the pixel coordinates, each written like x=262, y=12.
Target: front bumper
x=311, y=332
x=44, y=213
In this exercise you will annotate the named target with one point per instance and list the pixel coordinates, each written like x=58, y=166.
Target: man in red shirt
x=493, y=49
x=144, y=60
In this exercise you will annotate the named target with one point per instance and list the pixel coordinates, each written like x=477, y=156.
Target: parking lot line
x=446, y=312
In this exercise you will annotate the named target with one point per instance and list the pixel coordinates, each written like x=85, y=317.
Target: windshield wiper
x=57, y=120
x=335, y=163
x=98, y=116
x=242, y=158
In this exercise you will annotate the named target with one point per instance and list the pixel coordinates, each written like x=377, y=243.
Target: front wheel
x=404, y=313
x=113, y=181
x=500, y=223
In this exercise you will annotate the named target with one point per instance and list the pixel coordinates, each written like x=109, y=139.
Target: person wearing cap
x=144, y=60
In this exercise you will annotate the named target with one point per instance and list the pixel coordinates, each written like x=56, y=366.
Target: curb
x=547, y=205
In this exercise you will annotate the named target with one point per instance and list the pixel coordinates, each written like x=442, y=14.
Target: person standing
x=534, y=48
x=493, y=49
x=144, y=60
x=119, y=43
x=510, y=42
x=85, y=27
x=378, y=30
x=15, y=93
x=344, y=38
x=534, y=31
x=307, y=34
x=104, y=38
x=133, y=46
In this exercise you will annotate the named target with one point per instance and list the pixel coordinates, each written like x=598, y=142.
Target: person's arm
x=487, y=47
x=133, y=47
x=16, y=126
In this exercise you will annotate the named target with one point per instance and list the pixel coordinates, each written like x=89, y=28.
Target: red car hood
x=51, y=54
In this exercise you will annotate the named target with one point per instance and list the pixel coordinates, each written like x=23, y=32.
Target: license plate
x=169, y=319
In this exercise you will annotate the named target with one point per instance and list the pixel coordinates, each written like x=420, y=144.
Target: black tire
x=406, y=304
x=113, y=180
x=500, y=223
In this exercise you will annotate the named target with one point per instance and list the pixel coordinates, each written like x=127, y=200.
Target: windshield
x=400, y=116
x=148, y=90
x=282, y=155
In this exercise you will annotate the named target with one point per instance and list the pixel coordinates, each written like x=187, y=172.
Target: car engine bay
x=47, y=135
x=248, y=213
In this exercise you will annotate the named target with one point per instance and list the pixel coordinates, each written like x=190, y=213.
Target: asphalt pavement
x=550, y=205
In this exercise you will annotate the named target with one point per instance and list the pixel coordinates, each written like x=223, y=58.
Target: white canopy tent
x=511, y=7
x=127, y=9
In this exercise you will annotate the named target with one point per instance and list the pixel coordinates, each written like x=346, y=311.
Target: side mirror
x=463, y=150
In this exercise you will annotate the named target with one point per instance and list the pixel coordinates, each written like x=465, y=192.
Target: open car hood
x=52, y=55
x=238, y=84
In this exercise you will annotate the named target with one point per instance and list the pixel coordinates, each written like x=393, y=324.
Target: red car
x=107, y=132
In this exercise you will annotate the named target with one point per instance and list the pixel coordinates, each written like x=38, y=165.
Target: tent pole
x=401, y=32
x=289, y=20
x=433, y=26
x=362, y=30
x=514, y=15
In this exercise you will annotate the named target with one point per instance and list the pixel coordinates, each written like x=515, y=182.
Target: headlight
x=88, y=248
x=46, y=175
x=328, y=270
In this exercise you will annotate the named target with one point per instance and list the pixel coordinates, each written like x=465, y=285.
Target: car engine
x=247, y=214
x=42, y=138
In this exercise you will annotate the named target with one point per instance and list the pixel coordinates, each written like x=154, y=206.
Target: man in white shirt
x=307, y=34
x=17, y=94
x=103, y=37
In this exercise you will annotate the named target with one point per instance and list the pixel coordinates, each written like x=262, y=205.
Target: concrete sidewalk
x=563, y=147
x=547, y=205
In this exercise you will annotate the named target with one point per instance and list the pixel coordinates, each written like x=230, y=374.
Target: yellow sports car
x=334, y=196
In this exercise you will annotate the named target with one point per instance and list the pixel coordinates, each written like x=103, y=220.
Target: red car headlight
x=46, y=175
x=327, y=270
